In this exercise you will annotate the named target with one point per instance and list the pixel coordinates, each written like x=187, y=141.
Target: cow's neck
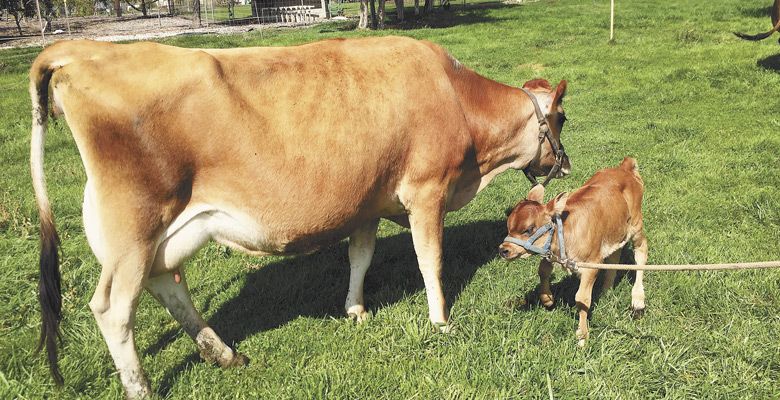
x=501, y=121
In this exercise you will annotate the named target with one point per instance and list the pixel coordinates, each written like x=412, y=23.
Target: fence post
x=611, y=20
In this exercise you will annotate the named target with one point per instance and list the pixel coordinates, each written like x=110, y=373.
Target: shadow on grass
x=316, y=285
x=565, y=290
x=439, y=18
x=771, y=63
x=756, y=12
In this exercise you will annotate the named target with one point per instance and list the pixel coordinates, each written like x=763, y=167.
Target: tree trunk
x=416, y=7
x=325, y=8
x=171, y=7
x=373, y=14
x=381, y=15
x=196, y=10
x=118, y=8
x=363, y=24
x=16, y=18
x=428, y=6
x=399, y=8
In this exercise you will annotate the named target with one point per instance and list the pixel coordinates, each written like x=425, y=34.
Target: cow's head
x=550, y=103
x=527, y=217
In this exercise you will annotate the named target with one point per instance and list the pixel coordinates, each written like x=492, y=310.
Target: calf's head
x=551, y=104
x=528, y=216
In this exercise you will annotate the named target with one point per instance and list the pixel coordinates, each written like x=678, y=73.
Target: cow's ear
x=558, y=204
x=536, y=194
x=560, y=91
x=535, y=84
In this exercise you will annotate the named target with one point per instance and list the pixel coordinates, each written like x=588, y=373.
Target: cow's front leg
x=545, y=293
x=427, y=225
x=361, y=250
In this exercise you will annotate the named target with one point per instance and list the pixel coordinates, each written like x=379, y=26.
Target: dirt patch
x=111, y=29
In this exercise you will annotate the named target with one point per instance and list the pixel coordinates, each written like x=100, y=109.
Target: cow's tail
x=759, y=36
x=49, y=291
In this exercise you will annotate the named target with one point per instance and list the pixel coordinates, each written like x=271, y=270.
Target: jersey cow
x=269, y=151
x=775, y=15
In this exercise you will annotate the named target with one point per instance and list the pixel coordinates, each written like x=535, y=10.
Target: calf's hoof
x=637, y=313
x=582, y=338
x=547, y=300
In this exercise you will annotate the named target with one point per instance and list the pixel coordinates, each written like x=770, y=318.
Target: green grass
x=696, y=106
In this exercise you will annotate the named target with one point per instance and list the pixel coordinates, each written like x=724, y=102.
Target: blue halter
x=544, y=251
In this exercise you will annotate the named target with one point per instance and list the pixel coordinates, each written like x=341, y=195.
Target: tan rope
x=681, y=267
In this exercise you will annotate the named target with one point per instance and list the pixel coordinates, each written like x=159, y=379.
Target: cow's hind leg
x=125, y=259
x=169, y=286
x=114, y=304
x=361, y=251
x=175, y=297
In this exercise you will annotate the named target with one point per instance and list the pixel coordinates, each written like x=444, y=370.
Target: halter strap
x=545, y=251
x=544, y=132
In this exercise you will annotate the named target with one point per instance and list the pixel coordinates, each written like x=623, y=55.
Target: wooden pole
x=611, y=20
x=40, y=22
x=67, y=19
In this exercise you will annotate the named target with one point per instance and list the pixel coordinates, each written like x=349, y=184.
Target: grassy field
x=698, y=108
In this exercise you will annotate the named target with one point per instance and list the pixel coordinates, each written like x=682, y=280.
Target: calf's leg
x=609, y=274
x=361, y=250
x=638, y=291
x=545, y=293
x=583, y=299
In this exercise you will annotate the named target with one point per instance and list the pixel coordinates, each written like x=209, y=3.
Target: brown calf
x=598, y=220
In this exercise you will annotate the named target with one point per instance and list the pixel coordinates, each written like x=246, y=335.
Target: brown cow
x=598, y=220
x=775, y=15
x=270, y=151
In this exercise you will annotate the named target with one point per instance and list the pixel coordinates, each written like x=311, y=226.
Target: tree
x=14, y=7
x=142, y=7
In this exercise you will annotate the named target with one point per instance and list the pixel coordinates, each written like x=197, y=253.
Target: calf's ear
x=558, y=204
x=536, y=194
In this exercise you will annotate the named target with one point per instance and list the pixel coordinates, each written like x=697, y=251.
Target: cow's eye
x=530, y=230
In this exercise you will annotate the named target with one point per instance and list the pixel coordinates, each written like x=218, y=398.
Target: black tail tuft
x=50, y=296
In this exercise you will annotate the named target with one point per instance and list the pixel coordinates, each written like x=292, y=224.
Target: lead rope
x=573, y=266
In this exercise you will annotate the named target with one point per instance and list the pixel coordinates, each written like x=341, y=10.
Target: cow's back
x=310, y=141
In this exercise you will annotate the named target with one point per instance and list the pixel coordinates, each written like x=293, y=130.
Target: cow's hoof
x=358, y=314
x=239, y=360
x=582, y=342
x=637, y=313
x=442, y=327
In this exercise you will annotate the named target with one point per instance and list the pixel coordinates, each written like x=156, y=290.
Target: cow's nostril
x=503, y=252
